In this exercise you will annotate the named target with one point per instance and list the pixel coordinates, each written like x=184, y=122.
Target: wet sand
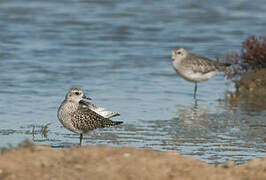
x=253, y=82
x=250, y=91
x=102, y=162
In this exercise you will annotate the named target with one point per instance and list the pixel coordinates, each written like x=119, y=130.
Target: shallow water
x=118, y=52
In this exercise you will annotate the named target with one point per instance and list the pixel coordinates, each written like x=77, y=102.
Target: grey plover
x=194, y=68
x=80, y=116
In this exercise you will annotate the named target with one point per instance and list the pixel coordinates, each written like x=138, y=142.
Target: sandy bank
x=100, y=162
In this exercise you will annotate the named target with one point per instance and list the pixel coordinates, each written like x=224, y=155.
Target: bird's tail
x=222, y=66
x=117, y=122
x=109, y=122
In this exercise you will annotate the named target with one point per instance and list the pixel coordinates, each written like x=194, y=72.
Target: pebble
x=126, y=155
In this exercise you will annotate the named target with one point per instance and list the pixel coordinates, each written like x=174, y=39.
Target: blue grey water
x=118, y=52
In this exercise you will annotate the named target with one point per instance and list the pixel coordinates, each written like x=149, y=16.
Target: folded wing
x=203, y=65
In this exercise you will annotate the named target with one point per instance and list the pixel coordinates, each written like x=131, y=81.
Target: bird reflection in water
x=191, y=116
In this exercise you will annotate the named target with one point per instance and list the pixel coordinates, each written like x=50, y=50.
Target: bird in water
x=80, y=116
x=195, y=68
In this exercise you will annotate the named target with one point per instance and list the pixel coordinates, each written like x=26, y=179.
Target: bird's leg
x=195, y=90
x=80, y=139
x=195, y=104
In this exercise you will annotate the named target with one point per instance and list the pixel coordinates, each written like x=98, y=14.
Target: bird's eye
x=77, y=93
x=179, y=52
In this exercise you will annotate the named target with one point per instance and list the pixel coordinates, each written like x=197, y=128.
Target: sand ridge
x=102, y=162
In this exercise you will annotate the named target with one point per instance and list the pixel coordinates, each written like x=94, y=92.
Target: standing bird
x=194, y=68
x=80, y=116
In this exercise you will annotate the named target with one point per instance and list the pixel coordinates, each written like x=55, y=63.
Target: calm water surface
x=118, y=52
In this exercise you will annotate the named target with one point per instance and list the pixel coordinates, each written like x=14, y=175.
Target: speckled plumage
x=194, y=68
x=76, y=114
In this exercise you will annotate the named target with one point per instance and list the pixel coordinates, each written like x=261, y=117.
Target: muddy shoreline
x=103, y=162
x=250, y=91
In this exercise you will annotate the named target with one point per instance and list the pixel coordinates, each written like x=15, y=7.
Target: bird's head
x=178, y=53
x=75, y=95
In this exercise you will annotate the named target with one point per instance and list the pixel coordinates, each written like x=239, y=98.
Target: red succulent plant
x=252, y=57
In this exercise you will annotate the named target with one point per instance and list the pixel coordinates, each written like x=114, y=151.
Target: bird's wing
x=99, y=110
x=200, y=64
x=86, y=105
x=86, y=119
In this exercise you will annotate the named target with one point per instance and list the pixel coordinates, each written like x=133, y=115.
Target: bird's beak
x=84, y=97
x=171, y=57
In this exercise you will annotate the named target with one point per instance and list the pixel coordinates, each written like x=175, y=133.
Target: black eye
x=77, y=93
x=179, y=52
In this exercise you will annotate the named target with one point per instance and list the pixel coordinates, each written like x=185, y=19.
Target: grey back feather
x=202, y=64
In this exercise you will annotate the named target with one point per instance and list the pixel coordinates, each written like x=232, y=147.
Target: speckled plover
x=194, y=68
x=80, y=116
